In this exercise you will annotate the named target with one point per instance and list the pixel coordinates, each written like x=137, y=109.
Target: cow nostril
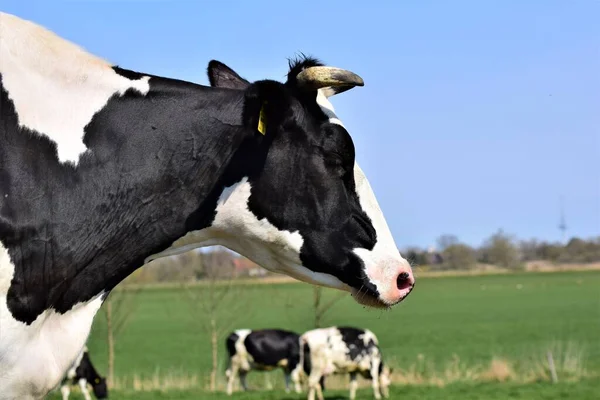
x=403, y=281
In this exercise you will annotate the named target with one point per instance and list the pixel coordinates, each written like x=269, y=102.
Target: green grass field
x=587, y=390
x=464, y=333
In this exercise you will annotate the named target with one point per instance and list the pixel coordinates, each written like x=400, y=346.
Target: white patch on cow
x=327, y=107
x=383, y=263
x=330, y=355
x=244, y=358
x=50, y=344
x=55, y=85
x=73, y=370
x=238, y=229
x=7, y=271
x=368, y=336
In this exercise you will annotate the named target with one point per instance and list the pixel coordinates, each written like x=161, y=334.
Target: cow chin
x=369, y=299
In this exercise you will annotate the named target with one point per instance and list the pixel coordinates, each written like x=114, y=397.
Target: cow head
x=300, y=204
x=100, y=389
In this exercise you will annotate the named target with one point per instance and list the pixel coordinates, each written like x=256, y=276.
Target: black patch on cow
x=270, y=346
x=73, y=233
x=355, y=343
x=306, y=360
x=230, y=341
x=230, y=344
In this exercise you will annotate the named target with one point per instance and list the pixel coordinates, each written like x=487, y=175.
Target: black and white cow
x=343, y=350
x=81, y=373
x=263, y=350
x=103, y=169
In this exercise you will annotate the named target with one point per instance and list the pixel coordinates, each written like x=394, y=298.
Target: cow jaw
x=237, y=228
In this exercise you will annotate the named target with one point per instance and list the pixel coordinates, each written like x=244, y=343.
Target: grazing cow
x=104, y=169
x=339, y=350
x=263, y=350
x=83, y=372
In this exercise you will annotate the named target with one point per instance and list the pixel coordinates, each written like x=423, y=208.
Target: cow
x=263, y=350
x=343, y=350
x=83, y=372
x=104, y=169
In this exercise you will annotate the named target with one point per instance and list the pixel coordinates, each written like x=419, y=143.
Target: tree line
x=504, y=251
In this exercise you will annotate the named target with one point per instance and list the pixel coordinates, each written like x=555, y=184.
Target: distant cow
x=83, y=372
x=263, y=350
x=338, y=350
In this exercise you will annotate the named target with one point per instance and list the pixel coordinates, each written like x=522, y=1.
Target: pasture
x=454, y=337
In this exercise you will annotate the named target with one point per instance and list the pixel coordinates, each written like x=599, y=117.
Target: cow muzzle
x=384, y=290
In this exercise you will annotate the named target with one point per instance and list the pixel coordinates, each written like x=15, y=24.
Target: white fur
x=369, y=336
x=240, y=361
x=48, y=346
x=73, y=370
x=56, y=86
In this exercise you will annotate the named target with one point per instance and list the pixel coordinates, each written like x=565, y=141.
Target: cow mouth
x=368, y=296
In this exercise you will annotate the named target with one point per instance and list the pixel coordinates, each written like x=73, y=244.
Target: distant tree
x=445, y=241
x=529, y=250
x=216, y=264
x=416, y=256
x=118, y=308
x=500, y=250
x=217, y=305
x=321, y=306
x=550, y=251
x=578, y=250
x=459, y=256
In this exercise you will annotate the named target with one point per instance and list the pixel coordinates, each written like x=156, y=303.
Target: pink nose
x=405, y=281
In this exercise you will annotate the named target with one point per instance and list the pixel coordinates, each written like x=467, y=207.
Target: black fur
x=269, y=346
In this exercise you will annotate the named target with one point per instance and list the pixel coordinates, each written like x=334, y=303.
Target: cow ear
x=220, y=75
x=267, y=104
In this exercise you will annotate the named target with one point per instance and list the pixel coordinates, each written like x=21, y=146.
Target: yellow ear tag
x=262, y=120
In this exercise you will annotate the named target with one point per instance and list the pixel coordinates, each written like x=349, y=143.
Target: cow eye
x=334, y=159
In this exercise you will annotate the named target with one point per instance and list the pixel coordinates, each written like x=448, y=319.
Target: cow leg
x=84, y=389
x=385, y=391
x=231, y=374
x=295, y=375
x=375, y=379
x=288, y=379
x=65, y=390
x=243, y=374
x=319, y=392
x=353, y=385
x=314, y=386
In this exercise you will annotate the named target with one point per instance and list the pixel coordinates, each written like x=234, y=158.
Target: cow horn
x=314, y=78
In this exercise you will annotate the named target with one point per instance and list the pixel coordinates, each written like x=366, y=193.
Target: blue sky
x=475, y=116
